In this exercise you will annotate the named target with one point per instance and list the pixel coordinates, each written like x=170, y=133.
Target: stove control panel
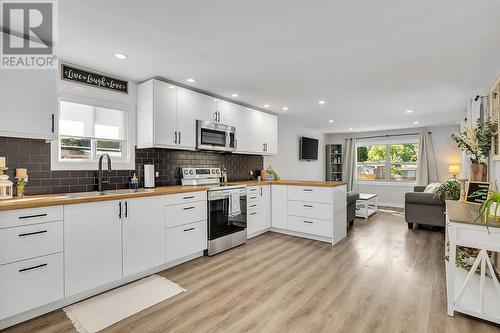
x=198, y=173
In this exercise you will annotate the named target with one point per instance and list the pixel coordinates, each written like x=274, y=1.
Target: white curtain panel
x=427, y=170
x=350, y=165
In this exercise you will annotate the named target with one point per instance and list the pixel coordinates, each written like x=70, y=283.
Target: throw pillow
x=432, y=187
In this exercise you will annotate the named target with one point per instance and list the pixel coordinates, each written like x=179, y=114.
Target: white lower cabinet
x=310, y=226
x=31, y=283
x=279, y=210
x=186, y=240
x=92, y=245
x=258, y=209
x=143, y=239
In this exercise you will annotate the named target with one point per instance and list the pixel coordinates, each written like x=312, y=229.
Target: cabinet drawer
x=30, y=283
x=253, y=206
x=18, y=217
x=310, y=226
x=311, y=194
x=186, y=240
x=30, y=241
x=186, y=213
x=175, y=199
x=310, y=209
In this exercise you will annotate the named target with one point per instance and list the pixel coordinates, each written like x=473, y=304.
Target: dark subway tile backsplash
x=35, y=156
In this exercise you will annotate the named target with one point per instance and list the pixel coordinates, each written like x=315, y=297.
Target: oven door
x=213, y=136
x=220, y=223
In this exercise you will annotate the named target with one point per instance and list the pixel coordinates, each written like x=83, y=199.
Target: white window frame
x=386, y=141
x=127, y=162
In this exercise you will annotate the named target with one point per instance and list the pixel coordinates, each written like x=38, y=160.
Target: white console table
x=475, y=293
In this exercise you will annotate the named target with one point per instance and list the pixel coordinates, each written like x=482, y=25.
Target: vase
x=20, y=192
x=478, y=172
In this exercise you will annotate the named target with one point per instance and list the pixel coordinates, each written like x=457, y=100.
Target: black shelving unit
x=334, y=162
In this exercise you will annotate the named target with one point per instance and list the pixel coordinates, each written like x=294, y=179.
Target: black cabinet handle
x=253, y=205
x=253, y=213
x=253, y=197
x=308, y=206
x=187, y=208
x=33, y=233
x=215, y=116
x=189, y=229
x=190, y=197
x=126, y=208
x=175, y=137
x=120, y=211
x=53, y=118
x=179, y=137
x=309, y=222
x=307, y=190
x=31, y=268
x=31, y=216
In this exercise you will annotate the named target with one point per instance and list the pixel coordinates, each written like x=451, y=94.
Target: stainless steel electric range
x=227, y=204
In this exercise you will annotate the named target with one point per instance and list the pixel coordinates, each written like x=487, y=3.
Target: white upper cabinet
x=191, y=106
x=29, y=103
x=167, y=114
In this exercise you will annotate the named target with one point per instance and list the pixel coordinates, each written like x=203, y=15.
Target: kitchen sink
x=110, y=192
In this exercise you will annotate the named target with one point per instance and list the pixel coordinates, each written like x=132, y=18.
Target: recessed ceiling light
x=171, y=87
x=121, y=56
x=330, y=121
x=350, y=128
x=285, y=108
x=415, y=123
x=266, y=105
x=234, y=95
x=409, y=111
x=321, y=102
x=191, y=80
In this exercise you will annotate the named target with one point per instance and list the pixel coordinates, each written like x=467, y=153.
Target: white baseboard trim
x=19, y=318
x=302, y=235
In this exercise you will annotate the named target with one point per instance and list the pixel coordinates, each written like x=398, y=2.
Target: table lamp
x=454, y=169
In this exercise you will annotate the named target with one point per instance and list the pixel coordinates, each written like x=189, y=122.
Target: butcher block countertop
x=289, y=182
x=85, y=197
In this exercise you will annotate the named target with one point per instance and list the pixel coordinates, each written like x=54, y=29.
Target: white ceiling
x=370, y=60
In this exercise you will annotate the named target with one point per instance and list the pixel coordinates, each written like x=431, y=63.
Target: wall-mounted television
x=308, y=149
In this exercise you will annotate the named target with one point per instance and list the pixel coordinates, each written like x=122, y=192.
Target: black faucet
x=99, y=174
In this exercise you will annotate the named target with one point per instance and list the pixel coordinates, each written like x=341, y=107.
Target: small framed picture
x=477, y=192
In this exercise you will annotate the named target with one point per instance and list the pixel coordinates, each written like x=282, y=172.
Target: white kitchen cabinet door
x=191, y=106
x=270, y=133
x=255, y=132
x=92, y=245
x=279, y=206
x=265, y=206
x=143, y=234
x=29, y=103
x=164, y=115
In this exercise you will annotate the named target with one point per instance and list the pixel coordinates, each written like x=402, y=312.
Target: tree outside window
x=389, y=162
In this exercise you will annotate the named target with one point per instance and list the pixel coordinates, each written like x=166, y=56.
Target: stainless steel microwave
x=215, y=136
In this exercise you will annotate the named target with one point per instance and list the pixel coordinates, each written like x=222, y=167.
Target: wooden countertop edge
x=290, y=182
x=61, y=199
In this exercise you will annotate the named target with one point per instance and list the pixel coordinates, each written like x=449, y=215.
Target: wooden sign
x=93, y=79
x=477, y=192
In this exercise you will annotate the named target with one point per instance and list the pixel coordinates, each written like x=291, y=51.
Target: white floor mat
x=101, y=311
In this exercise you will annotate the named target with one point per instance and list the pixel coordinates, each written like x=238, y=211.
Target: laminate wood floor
x=382, y=278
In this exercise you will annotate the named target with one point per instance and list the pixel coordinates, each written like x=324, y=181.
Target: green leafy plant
x=448, y=190
x=476, y=142
x=485, y=209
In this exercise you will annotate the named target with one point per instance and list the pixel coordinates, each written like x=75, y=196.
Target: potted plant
x=476, y=143
x=490, y=208
x=449, y=190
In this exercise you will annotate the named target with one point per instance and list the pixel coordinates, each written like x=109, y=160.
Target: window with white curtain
x=392, y=159
x=89, y=128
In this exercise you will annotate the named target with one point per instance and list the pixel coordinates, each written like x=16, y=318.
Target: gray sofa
x=423, y=208
x=351, y=206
